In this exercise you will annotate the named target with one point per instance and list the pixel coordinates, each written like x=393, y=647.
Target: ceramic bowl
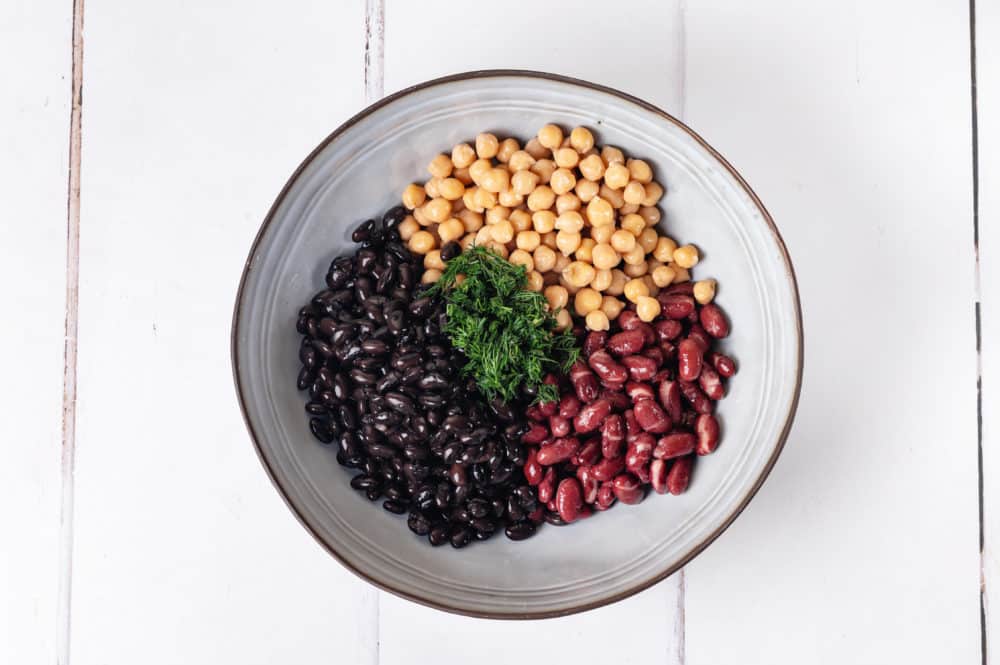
x=359, y=172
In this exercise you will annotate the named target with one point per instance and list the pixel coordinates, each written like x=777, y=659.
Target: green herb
x=505, y=330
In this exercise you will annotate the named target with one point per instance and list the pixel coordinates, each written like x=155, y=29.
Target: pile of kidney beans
x=634, y=412
x=384, y=384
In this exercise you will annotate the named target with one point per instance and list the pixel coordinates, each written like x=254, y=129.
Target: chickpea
x=483, y=199
x=616, y=176
x=636, y=269
x=581, y=139
x=440, y=166
x=605, y=257
x=585, y=251
x=544, y=221
x=650, y=214
x=421, y=217
x=451, y=189
x=430, y=276
x=469, y=201
x=450, y=229
x=472, y=221
x=597, y=320
x=431, y=187
x=544, y=168
x=567, y=202
x=635, y=289
x=586, y=301
x=570, y=221
x=524, y=182
x=592, y=168
x=566, y=158
x=463, y=176
x=567, y=242
x=634, y=193
x=437, y=210
x=651, y=285
x=628, y=208
x=663, y=276
x=639, y=170
x=686, y=256
x=528, y=240
x=623, y=241
x=509, y=198
x=612, y=155
x=520, y=161
x=618, y=281
x=487, y=146
x=544, y=257
x=521, y=219
x=557, y=297
x=647, y=308
x=562, y=262
x=541, y=198
x=602, y=233
x=612, y=307
x=535, y=281
x=612, y=196
x=502, y=231
x=478, y=169
x=497, y=213
x=432, y=259
x=654, y=192
x=496, y=180
x=562, y=181
x=408, y=227
x=635, y=256
x=682, y=274
x=664, y=250
x=507, y=148
x=602, y=280
x=519, y=257
x=458, y=205
x=579, y=274
x=600, y=212
x=536, y=149
x=499, y=248
x=467, y=241
x=462, y=155
x=421, y=242
x=586, y=190
x=704, y=291
x=648, y=239
x=549, y=240
x=550, y=136
x=414, y=196
x=633, y=224
x=484, y=236
x=563, y=320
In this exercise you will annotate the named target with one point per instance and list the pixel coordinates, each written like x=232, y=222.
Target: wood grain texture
x=196, y=115
x=855, y=131
x=35, y=67
x=987, y=26
x=637, y=50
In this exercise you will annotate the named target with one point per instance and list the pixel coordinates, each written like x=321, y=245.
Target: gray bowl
x=358, y=172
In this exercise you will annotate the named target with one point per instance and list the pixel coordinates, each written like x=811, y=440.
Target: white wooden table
x=142, y=143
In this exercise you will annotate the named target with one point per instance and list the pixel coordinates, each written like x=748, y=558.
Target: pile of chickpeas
x=581, y=219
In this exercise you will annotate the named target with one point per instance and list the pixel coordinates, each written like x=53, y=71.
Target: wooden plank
x=576, y=40
x=35, y=66
x=854, y=127
x=196, y=114
x=987, y=27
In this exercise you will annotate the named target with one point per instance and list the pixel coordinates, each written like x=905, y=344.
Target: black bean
x=394, y=216
x=520, y=530
x=374, y=347
x=394, y=507
x=316, y=409
x=347, y=417
x=363, y=482
x=305, y=378
x=438, y=535
x=320, y=429
x=461, y=537
x=450, y=251
x=418, y=524
x=554, y=519
x=363, y=232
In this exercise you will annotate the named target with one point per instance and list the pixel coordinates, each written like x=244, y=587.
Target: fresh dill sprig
x=504, y=330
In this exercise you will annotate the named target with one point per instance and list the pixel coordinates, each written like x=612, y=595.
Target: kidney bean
x=588, y=484
x=640, y=452
x=533, y=471
x=589, y=453
x=670, y=399
x=697, y=334
x=592, y=415
x=682, y=288
x=667, y=330
x=695, y=397
x=626, y=343
x=655, y=354
x=619, y=400
x=714, y=321
x=536, y=434
x=632, y=428
x=548, y=409
x=612, y=436
x=584, y=382
x=607, y=368
x=628, y=319
x=640, y=368
x=608, y=468
x=547, y=488
x=711, y=383
x=706, y=427
x=559, y=426
x=594, y=341
x=658, y=476
x=673, y=445
x=569, y=406
x=638, y=391
x=722, y=363
x=676, y=306
x=688, y=360
x=669, y=351
x=651, y=417
x=628, y=490
x=680, y=475
x=559, y=450
x=605, y=496
x=534, y=413
x=569, y=499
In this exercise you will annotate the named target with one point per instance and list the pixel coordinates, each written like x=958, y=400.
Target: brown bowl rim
x=496, y=73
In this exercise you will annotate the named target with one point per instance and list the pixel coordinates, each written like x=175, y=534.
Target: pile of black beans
x=385, y=386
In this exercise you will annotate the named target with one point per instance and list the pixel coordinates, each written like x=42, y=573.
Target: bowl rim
x=531, y=74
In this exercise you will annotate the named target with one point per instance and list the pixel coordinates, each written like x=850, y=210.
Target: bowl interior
x=360, y=173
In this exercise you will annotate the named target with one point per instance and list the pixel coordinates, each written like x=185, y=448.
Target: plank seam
x=71, y=322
